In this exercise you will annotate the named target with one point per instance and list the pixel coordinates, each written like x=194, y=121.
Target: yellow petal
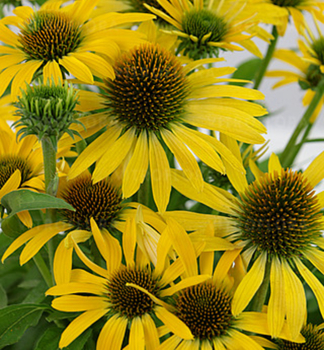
x=25, y=218
x=136, y=335
x=8, y=36
x=6, y=76
x=160, y=173
x=313, y=282
x=97, y=64
x=129, y=241
x=227, y=91
x=249, y=285
x=274, y=164
x=238, y=339
x=277, y=302
x=137, y=167
x=150, y=332
x=39, y=240
x=74, y=287
x=24, y=76
x=11, y=184
x=114, y=155
x=94, y=151
x=77, y=68
x=315, y=171
x=184, y=283
x=112, y=334
x=79, y=325
x=183, y=246
x=51, y=71
x=185, y=159
x=173, y=323
x=62, y=264
x=75, y=303
x=295, y=300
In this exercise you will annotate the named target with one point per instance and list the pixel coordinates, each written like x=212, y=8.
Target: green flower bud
x=47, y=110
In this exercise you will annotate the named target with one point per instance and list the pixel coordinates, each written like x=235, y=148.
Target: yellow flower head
x=100, y=202
x=284, y=9
x=150, y=103
x=62, y=40
x=205, y=27
x=314, y=339
x=278, y=223
x=114, y=296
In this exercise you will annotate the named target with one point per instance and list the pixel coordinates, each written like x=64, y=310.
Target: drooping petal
x=173, y=323
x=249, y=285
x=160, y=173
x=277, y=302
x=150, y=332
x=25, y=218
x=112, y=334
x=77, y=68
x=315, y=171
x=136, y=335
x=137, y=167
x=295, y=300
x=79, y=325
x=11, y=184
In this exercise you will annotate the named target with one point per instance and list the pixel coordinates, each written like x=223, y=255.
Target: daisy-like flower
x=307, y=74
x=278, y=223
x=111, y=295
x=205, y=27
x=21, y=166
x=206, y=307
x=59, y=40
x=314, y=339
x=150, y=103
x=103, y=203
x=286, y=9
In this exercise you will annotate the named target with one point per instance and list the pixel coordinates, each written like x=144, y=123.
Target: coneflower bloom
x=56, y=40
x=278, y=223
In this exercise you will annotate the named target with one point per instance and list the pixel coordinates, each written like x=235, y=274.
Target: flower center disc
x=206, y=310
x=149, y=89
x=130, y=301
x=280, y=214
x=286, y=3
x=9, y=164
x=100, y=201
x=206, y=27
x=49, y=36
x=313, y=336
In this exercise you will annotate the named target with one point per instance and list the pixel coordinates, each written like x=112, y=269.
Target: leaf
x=60, y=315
x=21, y=200
x=51, y=337
x=15, y=319
x=246, y=70
x=3, y=297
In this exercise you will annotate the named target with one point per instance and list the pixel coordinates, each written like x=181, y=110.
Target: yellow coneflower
x=150, y=103
x=56, y=40
x=278, y=223
x=205, y=27
x=112, y=296
x=21, y=166
x=101, y=202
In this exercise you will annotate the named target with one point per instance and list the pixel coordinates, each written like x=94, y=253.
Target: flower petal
x=112, y=334
x=136, y=335
x=77, y=68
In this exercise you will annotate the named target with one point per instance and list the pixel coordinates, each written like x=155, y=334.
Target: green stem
x=266, y=60
x=49, y=156
x=260, y=296
x=43, y=269
x=290, y=152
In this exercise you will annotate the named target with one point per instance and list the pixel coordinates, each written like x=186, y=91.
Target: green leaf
x=51, y=337
x=246, y=70
x=3, y=297
x=15, y=319
x=17, y=201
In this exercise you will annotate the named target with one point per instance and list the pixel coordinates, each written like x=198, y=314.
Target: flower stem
x=43, y=269
x=290, y=152
x=260, y=296
x=49, y=156
x=266, y=60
